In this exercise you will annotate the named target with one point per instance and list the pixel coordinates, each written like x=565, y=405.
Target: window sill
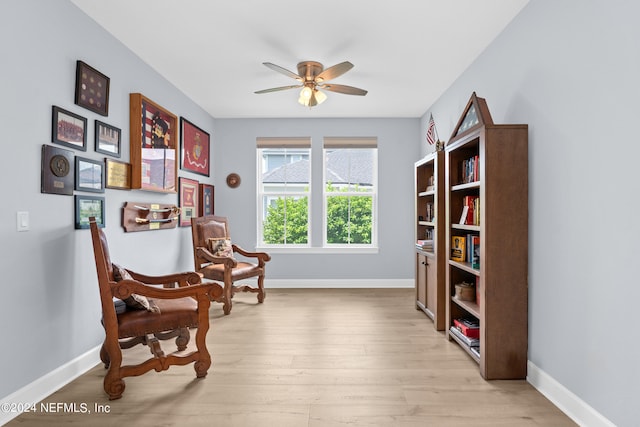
x=317, y=250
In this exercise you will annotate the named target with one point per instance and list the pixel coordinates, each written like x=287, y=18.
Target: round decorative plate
x=59, y=165
x=233, y=180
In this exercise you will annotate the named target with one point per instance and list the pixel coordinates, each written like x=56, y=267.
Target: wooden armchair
x=225, y=269
x=176, y=310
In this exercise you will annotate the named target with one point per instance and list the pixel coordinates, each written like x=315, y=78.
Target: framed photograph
x=205, y=197
x=194, y=148
x=87, y=206
x=92, y=89
x=57, y=170
x=89, y=175
x=107, y=139
x=153, y=145
x=69, y=129
x=188, y=201
x=118, y=174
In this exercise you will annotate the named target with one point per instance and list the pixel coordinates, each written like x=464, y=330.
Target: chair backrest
x=104, y=269
x=207, y=227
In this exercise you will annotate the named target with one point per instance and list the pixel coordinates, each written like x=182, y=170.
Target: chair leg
x=183, y=338
x=104, y=356
x=261, y=292
x=228, y=295
x=113, y=384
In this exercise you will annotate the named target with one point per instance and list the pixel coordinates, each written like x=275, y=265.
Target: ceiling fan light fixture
x=320, y=96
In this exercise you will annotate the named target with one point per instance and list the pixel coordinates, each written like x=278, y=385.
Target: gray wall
x=49, y=307
x=570, y=69
x=397, y=151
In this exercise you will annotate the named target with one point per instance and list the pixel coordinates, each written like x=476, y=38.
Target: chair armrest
x=187, y=278
x=262, y=256
x=125, y=288
x=227, y=261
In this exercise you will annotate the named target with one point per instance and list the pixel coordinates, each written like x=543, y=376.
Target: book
x=471, y=342
x=470, y=328
x=463, y=216
x=457, y=248
x=475, y=252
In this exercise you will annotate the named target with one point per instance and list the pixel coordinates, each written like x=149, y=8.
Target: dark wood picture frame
x=195, y=149
x=153, y=155
x=206, y=200
x=108, y=139
x=188, y=201
x=92, y=89
x=68, y=129
x=57, y=170
x=89, y=175
x=117, y=174
x=86, y=206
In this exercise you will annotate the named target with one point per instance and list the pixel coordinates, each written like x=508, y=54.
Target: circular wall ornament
x=233, y=180
x=59, y=165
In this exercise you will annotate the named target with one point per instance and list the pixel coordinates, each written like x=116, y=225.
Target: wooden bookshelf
x=489, y=163
x=429, y=225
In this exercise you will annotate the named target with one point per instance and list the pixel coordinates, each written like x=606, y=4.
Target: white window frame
x=332, y=143
x=292, y=143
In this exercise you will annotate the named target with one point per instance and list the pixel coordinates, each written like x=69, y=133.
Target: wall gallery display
x=92, y=89
x=57, y=171
x=195, y=148
x=188, y=201
x=118, y=174
x=107, y=139
x=87, y=206
x=153, y=139
x=89, y=175
x=69, y=129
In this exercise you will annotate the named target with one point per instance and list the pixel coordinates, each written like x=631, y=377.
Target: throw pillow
x=134, y=301
x=220, y=247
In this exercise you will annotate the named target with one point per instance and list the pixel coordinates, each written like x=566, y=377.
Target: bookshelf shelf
x=430, y=225
x=487, y=174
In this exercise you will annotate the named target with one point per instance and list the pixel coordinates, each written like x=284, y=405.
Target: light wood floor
x=316, y=358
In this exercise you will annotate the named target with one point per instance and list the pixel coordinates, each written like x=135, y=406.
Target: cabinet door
x=421, y=279
x=432, y=280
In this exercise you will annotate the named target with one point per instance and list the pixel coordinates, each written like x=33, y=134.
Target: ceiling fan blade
x=275, y=89
x=284, y=71
x=334, y=71
x=349, y=90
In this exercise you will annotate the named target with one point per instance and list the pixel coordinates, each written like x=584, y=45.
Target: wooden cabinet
x=430, y=237
x=487, y=170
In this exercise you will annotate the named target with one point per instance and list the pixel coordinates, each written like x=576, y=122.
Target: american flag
x=431, y=131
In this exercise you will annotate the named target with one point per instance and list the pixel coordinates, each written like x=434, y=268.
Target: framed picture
x=107, y=139
x=87, y=206
x=194, y=148
x=153, y=145
x=205, y=197
x=57, y=170
x=118, y=174
x=92, y=89
x=69, y=129
x=188, y=201
x=89, y=175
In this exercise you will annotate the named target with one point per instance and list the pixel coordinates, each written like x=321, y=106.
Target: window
x=284, y=175
x=350, y=191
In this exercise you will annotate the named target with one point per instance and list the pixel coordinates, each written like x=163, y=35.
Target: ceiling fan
x=312, y=78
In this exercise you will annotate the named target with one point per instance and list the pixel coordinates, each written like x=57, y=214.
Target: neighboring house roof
x=337, y=169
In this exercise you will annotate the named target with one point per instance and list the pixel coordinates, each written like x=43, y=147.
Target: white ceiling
x=406, y=52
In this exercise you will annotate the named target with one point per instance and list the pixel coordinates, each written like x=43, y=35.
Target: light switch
x=22, y=221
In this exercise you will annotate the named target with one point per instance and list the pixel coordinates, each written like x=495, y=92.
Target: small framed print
x=188, y=201
x=107, y=139
x=118, y=174
x=92, y=89
x=194, y=147
x=69, y=129
x=89, y=175
x=88, y=206
x=205, y=197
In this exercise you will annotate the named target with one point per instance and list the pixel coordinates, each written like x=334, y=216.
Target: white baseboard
x=338, y=283
x=46, y=385
x=565, y=400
